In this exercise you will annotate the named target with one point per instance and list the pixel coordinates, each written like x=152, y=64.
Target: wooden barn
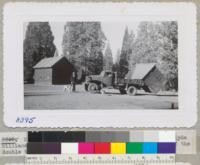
x=53, y=70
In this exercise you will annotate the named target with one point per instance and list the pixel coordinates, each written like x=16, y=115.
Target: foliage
x=126, y=51
x=157, y=43
x=83, y=44
x=116, y=63
x=108, y=59
x=38, y=44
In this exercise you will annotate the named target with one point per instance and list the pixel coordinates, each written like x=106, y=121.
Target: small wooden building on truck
x=53, y=70
x=150, y=75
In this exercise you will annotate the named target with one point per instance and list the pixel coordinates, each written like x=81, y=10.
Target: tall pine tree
x=83, y=44
x=38, y=44
x=126, y=51
x=146, y=44
x=116, y=62
x=169, y=52
x=108, y=59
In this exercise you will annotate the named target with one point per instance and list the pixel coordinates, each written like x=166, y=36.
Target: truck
x=144, y=76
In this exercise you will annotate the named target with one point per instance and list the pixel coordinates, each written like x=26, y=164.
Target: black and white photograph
x=100, y=65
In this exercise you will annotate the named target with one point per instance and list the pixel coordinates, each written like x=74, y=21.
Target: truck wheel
x=132, y=91
x=92, y=87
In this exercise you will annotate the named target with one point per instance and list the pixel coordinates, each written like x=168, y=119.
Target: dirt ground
x=54, y=97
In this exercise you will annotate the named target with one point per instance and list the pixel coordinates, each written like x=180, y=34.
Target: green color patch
x=134, y=148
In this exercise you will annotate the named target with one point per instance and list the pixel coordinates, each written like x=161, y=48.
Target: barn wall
x=43, y=76
x=62, y=72
x=155, y=80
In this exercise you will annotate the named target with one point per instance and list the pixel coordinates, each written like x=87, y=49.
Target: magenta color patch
x=86, y=148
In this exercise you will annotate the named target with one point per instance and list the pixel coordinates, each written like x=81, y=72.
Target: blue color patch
x=150, y=147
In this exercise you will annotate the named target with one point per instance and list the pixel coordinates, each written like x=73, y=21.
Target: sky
x=114, y=32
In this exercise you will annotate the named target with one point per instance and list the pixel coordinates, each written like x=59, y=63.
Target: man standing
x=73, y=81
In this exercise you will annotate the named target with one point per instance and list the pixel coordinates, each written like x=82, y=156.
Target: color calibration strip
x=102, y=148
x=102, y=142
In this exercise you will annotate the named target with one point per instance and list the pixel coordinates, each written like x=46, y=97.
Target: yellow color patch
x=118, y=148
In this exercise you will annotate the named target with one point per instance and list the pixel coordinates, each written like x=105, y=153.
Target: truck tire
x=92, y=88
x=132, y=91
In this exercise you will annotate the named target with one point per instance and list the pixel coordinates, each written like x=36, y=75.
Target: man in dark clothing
x=73, y=81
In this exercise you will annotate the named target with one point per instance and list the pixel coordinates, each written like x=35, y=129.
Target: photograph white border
x=15, y=14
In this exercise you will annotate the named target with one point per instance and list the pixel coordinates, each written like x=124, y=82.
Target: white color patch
x=167, y=136
x=69, y=148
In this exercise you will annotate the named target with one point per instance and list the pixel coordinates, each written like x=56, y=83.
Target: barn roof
x=48, y=62
x=141, y=70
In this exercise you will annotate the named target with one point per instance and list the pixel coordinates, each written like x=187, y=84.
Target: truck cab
x=106, y=78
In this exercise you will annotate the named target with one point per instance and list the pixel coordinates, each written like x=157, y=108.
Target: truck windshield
x=105, y=74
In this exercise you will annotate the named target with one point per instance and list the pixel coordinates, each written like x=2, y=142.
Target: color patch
x=53, y=136
x=86, y=148
x=43, y=148
x=166, y=148
x=34, y=148
x=150, y=148
x=134, y=148
x=118, y=148
x=151, y=136
x=75, y=136
x=111, y=136
x=59, y=136
x=93, y=136
x=136, y=136
x=34, y=136
x=51, y=148
x=69, y=148
x=102, y=148
x=167, y=136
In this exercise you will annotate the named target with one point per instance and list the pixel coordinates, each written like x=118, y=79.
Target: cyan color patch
x=150, y=147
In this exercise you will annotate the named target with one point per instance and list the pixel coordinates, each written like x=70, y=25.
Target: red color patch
x=102, y=148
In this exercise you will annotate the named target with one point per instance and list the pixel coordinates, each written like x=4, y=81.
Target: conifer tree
x=108, y=59
x=38, y=44
x=83, y=44
x=126, y=51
